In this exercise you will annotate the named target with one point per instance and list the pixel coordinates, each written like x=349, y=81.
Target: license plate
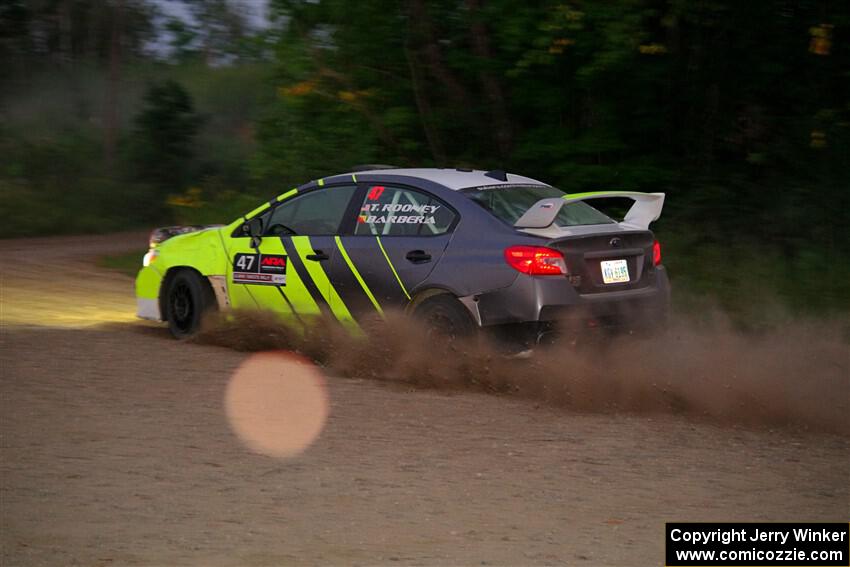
x=615, y=271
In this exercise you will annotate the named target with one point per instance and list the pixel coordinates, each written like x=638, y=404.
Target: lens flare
x=277, y=403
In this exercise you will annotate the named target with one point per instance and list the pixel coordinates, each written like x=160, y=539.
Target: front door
x=287, y=273
x=263, y=278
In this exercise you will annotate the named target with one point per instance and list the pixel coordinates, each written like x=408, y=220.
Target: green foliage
x=53, y=148
x=161, y=147
x=215, y=207
x=69, y=30
x=58, y=187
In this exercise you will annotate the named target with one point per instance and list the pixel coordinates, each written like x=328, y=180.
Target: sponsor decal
x=401, y=219
x=261, y=269
x=273, y=263
x=375, y=193
x=397, y=213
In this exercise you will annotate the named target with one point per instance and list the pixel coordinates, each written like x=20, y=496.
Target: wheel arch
x=422, y=294
x=166, y=281
x=469, y=302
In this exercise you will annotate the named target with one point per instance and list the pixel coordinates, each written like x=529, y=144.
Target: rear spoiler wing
x=644, y=211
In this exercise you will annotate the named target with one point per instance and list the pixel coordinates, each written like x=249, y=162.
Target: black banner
x=757, y=544
x=269, y=269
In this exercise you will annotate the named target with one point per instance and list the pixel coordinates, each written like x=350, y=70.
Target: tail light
x=536, y=260
x=656, y=253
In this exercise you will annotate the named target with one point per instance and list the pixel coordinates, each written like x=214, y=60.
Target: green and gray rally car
x=464, y=249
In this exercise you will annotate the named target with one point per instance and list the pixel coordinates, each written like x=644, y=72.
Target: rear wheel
x=187, y=299
x=444, y=315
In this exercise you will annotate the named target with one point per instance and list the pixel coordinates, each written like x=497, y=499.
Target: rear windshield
x=510, y=203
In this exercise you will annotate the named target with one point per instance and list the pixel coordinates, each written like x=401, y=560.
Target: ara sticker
x=260, y=269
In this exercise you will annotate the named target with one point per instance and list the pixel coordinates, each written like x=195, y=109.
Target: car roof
x=454, y=179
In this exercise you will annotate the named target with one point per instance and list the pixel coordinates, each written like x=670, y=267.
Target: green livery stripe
x=257, y=211
x=295, y=290
x=356, y=273
x=404, y=289
x=320, y=279
x=354, y=178
x=287, y=195
x=599, y=194
x=291, y=307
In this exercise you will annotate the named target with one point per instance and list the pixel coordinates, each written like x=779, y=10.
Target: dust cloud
x=797, y=375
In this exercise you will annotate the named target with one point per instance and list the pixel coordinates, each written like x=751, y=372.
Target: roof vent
x=497, y=174
x=464, y=169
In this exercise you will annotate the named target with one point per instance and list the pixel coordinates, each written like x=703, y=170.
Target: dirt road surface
x=116, y=450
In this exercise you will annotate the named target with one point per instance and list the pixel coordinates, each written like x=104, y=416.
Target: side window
x=315, y=213
x=392, y=211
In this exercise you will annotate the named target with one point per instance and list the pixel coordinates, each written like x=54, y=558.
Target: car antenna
x=497, y=174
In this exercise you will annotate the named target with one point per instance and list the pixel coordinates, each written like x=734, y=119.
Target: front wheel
x=444, y=315
x=187, y=299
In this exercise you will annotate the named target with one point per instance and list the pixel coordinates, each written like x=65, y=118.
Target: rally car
x=462, y=249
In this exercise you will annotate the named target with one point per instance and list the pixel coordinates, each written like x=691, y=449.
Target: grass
x=128, y=263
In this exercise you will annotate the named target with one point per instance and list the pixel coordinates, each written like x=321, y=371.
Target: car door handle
x=318, y=256
x=418, y=256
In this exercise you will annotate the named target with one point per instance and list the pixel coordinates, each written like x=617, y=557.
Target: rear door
x=396, y=239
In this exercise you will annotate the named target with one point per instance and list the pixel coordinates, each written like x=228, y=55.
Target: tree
x=162, y=143
x=217, y=32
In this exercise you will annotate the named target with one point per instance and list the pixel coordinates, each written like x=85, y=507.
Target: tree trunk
x=493, y=90
x=65, y=32
x=423, y=105
x=420, y=22
x=110, y=125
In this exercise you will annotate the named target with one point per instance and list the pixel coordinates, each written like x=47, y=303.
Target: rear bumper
x=549, y=299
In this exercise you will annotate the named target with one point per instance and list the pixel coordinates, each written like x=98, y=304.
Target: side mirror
x=255, y=227
x=255, y=231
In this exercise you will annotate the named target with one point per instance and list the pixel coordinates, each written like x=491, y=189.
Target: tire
x=187, y=299
x=443, y=315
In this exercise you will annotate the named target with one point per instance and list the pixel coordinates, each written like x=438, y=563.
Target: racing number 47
x=245, y=262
